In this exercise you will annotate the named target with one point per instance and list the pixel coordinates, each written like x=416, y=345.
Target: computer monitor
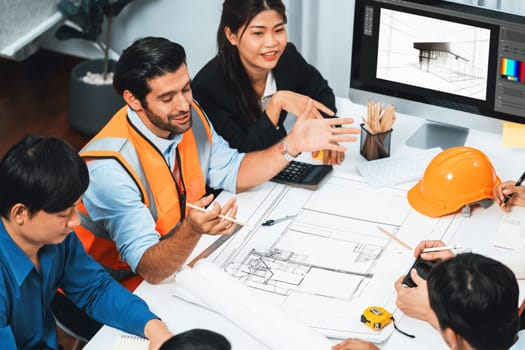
x=448, y=62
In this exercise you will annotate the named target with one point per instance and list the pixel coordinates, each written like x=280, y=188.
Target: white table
x=477, y=234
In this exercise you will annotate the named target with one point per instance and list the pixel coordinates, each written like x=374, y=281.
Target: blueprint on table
x=330, y=261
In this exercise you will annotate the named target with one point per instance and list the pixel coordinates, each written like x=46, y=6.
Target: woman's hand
x=506, y=188
x=333, y=157
x=294, y=103
x=310, y=135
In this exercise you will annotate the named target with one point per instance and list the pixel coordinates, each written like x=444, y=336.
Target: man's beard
x=163, y=122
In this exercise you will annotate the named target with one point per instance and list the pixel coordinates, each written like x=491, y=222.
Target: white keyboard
x=394, y=170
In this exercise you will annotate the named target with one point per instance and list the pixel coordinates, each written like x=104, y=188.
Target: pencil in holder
x=375, y=146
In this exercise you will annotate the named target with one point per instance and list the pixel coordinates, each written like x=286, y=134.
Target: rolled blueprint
x=265, y=321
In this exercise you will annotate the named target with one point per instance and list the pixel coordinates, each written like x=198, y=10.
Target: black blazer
x=292, y=72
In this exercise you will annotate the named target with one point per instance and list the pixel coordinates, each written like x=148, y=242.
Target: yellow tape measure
x=376, y=317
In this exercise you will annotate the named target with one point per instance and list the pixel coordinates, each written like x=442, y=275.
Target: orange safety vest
x=121, y=141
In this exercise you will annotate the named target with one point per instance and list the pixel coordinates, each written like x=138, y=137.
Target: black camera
x=422, y=267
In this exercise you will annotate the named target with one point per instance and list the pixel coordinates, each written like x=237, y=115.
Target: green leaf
x=88, y=15
x=67, y=8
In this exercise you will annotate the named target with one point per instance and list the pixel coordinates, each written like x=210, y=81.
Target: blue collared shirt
x=113, y=198
x=26, y=320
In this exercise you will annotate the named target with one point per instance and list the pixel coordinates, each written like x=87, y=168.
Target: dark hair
x=477, y=297
x=145, y=59
x=235, y=14
x=197, y=339
x=43, y=173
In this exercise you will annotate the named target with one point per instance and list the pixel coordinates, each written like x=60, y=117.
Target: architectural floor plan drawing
x=297, y=260
x=330, y=260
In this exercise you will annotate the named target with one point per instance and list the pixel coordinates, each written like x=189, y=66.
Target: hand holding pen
x=510, y=193
x=434, y=250
x=214, y=220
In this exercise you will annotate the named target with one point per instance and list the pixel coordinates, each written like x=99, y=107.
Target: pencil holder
x=375, y=146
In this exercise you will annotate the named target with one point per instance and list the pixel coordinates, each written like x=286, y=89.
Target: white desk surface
x=476, y=234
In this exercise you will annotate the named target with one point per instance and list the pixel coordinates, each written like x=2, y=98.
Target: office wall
x=326, y=39
x=322, y=30
x=191, y=23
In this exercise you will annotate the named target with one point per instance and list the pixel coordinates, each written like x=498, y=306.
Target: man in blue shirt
x=41, y=181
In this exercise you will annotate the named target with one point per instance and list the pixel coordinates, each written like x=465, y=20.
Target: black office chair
x=73, y=321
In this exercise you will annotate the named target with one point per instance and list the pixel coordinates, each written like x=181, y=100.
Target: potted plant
x=92, y=99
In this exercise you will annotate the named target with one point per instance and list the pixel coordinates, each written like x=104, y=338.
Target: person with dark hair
x=472, y=300
x=159, y=153
x=41, y=181
x=197, y=339
x=475, y=300
x=258, y=77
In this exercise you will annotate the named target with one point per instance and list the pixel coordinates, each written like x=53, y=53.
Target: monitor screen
x=441, y=54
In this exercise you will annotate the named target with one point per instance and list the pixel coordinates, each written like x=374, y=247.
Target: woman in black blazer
x=258, y=77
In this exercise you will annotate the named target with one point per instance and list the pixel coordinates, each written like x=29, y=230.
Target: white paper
x=258, y=317
x=330, y=261
x=511, y=233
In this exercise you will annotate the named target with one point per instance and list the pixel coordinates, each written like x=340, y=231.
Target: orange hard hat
x=457, y=177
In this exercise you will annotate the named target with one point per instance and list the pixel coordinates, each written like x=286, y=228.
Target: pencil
x=394, y=238
x=439, y=249
x=509, y=196
x=235, y=221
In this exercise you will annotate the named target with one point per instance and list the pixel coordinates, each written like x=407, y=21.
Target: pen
x=272, y=222
x=439, y=249
x=235, y=221
x=509, y=196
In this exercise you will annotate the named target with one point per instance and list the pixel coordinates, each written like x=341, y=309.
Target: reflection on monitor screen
x=433, y=53
x=448, y=61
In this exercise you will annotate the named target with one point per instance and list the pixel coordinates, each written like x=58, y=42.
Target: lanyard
x=179, y=183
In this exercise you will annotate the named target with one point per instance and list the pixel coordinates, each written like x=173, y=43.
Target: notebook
x=511, y=233
x=131, y=342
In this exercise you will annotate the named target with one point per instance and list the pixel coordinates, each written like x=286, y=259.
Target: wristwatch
x=284, y=151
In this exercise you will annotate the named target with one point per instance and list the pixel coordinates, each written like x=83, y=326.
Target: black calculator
x=305, y=175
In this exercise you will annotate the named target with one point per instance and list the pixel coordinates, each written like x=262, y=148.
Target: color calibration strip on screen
x=512, y=70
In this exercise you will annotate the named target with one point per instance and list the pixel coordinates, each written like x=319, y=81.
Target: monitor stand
x=431, y=135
